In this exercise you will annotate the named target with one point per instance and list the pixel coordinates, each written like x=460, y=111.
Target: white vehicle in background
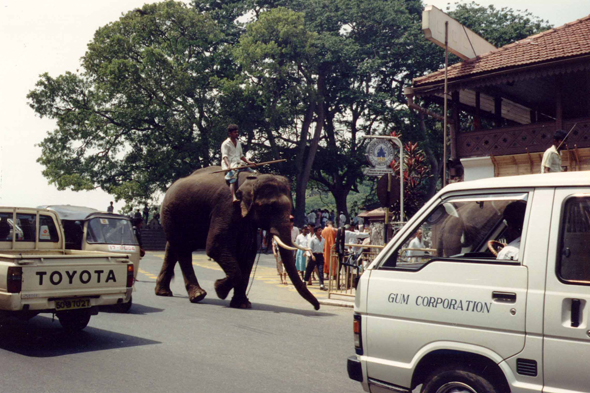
x=462, y=316
x=38, y=275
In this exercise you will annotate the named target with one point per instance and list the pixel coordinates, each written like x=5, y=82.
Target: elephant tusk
x=283, y=245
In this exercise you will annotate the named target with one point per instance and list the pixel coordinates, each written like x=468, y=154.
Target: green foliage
x=158, y=87
x=140, y=114
x=500, y=26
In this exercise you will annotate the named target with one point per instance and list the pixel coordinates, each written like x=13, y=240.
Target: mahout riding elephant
x=198, y=213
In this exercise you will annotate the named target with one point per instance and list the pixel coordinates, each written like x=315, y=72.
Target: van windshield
x=110, y=231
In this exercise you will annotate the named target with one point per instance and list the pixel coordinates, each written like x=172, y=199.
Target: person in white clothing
x=552, y=158
x=231, y=157
x=415, y=247
x=514, y=218
x=301, y=257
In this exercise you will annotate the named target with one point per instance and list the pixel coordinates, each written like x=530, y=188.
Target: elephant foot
x=163, y=291
x=195, y=295
x=222, y=287
x=240, y=303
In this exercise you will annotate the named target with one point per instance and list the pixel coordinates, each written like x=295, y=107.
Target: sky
x=38, y=36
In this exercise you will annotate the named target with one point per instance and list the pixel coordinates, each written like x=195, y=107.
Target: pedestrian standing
x=301, y=257
x=280, y=269
x=111, y=208
x=146, y=214
x=317, y=258
x=329, y=234
x=342, y=219
x=552, y=157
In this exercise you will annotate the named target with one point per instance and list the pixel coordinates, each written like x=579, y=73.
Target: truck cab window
x=47, y=229
x=574, y=257
x=26, y=223
x=471, y=227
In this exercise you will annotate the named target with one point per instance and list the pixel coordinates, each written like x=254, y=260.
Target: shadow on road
x=41, y=337
x=136, y=309
x=257, y=307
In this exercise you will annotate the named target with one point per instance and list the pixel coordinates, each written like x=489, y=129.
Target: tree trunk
x=301, y=188
x=313, y=146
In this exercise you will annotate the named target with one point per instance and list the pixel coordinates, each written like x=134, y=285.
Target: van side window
x=486, y=227
x=47, y=229
x=574, y=257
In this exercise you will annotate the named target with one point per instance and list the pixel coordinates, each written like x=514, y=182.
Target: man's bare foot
x=236, y=200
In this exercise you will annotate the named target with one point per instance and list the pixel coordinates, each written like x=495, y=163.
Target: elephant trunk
x=289, y=263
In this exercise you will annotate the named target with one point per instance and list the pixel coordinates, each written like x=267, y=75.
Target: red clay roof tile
x=569, y=40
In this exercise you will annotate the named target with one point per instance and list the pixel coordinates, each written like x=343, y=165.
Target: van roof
x=79, y=213
x=561, y=179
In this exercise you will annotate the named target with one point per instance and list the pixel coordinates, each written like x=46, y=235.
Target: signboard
x=462, y=42
x=380, y=153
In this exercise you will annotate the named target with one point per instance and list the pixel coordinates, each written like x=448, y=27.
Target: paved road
x=169, y=344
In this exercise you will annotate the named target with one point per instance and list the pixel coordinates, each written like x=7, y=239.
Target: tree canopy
x=304, y=80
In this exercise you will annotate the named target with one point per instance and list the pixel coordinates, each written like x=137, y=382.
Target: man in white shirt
x=231, y=157
x=317, y=257
x=415, y=244
x=341, y=219
x=552, y=158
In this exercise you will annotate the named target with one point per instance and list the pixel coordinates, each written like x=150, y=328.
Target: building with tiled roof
x=517, y=96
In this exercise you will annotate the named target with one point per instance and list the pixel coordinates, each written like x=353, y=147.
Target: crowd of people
x=318, y=263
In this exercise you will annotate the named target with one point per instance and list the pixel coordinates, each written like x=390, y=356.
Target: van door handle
x=575, y=317
x=504, y=297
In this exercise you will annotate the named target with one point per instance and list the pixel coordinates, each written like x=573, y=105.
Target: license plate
x=71, y=304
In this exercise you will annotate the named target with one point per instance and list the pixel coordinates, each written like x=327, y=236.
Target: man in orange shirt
x=329, y=234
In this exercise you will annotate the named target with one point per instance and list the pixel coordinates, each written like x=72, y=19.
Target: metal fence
x=342, y=279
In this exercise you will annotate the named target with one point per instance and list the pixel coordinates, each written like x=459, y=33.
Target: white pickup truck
x=38, y=275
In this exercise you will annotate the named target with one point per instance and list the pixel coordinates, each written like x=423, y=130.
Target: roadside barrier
x=342, y=280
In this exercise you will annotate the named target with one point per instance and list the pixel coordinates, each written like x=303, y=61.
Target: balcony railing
x=533, y=138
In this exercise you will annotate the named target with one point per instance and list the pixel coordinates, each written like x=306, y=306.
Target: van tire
x=457, y=379
x=75, y=320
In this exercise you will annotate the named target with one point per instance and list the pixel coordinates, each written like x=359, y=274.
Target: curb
x=338, y=303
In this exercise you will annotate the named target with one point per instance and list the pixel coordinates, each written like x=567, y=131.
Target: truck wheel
x=75, y=320
x=123, y=307
x=457, y=380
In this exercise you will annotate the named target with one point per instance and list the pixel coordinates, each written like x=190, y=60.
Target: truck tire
x=75, y=320
x=123, y=307
x=457, y=379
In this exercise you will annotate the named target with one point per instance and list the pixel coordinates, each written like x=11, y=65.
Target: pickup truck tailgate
x=74, y=274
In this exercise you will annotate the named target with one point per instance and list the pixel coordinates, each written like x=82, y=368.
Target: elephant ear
x=246, y=195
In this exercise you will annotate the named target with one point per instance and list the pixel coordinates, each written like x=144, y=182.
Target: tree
x=142, y=111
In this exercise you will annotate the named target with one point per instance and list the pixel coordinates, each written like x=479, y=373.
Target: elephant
x=198, y=213
x=467, y=227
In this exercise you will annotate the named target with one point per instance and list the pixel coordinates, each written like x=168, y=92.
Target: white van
x=495, y=299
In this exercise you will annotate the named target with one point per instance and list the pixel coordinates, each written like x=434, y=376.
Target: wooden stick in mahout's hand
x=251, y=166
x=568, y=134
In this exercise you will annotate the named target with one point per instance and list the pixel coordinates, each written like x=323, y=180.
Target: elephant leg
x=194, y=290
x=222, y=287
x=167, y=272
x=233, y=279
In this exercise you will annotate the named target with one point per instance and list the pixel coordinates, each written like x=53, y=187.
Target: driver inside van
x=514, y=217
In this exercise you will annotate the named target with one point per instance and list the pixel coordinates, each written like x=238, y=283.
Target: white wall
x=477, y=168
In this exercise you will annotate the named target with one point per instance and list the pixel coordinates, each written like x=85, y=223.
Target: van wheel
x=75, y=320
x=457, y=380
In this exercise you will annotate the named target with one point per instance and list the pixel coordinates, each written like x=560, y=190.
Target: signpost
x=380, y=154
